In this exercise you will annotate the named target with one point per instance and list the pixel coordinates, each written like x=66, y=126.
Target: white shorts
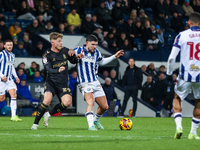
x=183, y=88
x=92, y=87
x=6, y=86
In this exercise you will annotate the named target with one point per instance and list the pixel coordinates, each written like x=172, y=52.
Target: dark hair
x=23, y=79
x=195, y=17
x=91, y=38
x=8, y=40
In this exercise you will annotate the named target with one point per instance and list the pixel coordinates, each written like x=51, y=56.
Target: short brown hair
x=55, y=36
x=8, y=40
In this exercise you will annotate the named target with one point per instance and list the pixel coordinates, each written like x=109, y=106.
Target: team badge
x=45, y=60
x=89, y=89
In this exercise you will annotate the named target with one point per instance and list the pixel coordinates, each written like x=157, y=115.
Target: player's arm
x=73, y=57
x=15, y=74
x=4, y=78
x=104, y=61
x=48, y=66
x=172, y=59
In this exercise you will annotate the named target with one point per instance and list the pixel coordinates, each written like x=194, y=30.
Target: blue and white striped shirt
x=88, y=66
x=7, y=69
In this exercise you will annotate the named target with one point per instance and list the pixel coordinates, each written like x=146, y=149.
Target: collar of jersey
x=6, y=52
x=195, y=28
x=84, y=48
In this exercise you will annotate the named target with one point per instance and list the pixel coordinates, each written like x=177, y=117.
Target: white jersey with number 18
x=189, y=43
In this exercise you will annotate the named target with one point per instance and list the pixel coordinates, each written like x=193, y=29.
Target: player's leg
x=103, y=106
x=195, y=121
x=89, y=98
x=177, y=116
x=42, y=108
x=13, y=105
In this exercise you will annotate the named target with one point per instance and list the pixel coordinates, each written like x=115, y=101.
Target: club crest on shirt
x=64, y=56
x=89, y=89
x=45, y=60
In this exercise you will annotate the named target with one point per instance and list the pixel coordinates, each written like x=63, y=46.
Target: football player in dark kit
x=55, y=62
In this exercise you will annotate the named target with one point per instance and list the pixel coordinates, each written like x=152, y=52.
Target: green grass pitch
x=71, y=133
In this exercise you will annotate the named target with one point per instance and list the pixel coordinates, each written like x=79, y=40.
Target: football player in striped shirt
x=7, y=71
x=188, y=44
x=88, y=80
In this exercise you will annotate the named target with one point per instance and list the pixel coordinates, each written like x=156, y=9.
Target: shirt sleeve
x=47, y=65
x=105, y=61
x=172, y=59
x=1, y=58
x=177, y=42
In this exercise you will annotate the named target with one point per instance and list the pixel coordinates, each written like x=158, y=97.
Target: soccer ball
x=125, y=124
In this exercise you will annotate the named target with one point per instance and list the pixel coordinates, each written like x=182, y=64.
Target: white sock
x=13, y=106
x=195, y=125
x=178, y=120
x=90, y=118
x=97, y=117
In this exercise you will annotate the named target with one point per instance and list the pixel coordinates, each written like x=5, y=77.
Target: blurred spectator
x=73, y=81
x=24, y=12
x=175, y=7
x=87, y=25
x=120, y=41
x=161, y=70
x=153, y=43
x=71, y=29
x=15, y=29
x=59, y=17
x=111, y=41
x=159, y=34
x=15, y=41
x=73, y=18
x=109, y=4
x=37, y=77
x=43, y=9
x=146, y=32
x=34, y=28
x=113, y=76
x=196, y=5
x=187, y=8
x=127, y=45
x=20, y=51
x=153, y=30
x=49, y=28
x=132, y=81
x=41, y=21
x=98, y=33
x=103, y=17
x=72, y=5
x=62, y=4
x=23, y=90
x=147, y=90
x=109, y=90
x=136, y=4
x=22, y=66
x=117, y=13
x=129, y=30
x=160, y=20
x=62, y=29
x=138, y=29
x=158, y=92
x=144, y=68
x=30, y=71
x=105, y=44
x=21, y=75
x=177, y=23
x=96, y=24
x=168, y=6
x=39, y=50
x=4, y=31
x=1, y=46
x=27, y=45
x=151, y=70
x=144, y=18
x=105, y=73
x=30, y=4
x=133, y=14
x=161, y=8
x=11, y=5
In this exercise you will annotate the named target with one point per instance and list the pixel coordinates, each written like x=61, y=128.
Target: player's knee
x=67, y=103
x=2, y=98
x=105, y=107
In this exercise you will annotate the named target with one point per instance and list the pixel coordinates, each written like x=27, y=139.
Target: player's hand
x=62, y=68
x=119, y=53
x=71, y=52
x=79, y=56
x=17, y=80
x=4, y=78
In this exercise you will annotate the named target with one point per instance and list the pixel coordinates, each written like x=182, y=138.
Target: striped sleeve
x=177, y=41
x=1, y=58
x=99, y=56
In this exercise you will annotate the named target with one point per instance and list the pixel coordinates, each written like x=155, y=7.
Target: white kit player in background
x=188, y=43
x=89, y=85
x=7, y=71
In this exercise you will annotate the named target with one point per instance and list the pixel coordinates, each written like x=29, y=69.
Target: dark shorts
x=57, y=89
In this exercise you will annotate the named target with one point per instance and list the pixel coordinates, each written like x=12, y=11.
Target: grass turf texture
x=72, y=133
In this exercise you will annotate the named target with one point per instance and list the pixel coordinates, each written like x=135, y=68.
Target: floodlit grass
x=71, y=133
